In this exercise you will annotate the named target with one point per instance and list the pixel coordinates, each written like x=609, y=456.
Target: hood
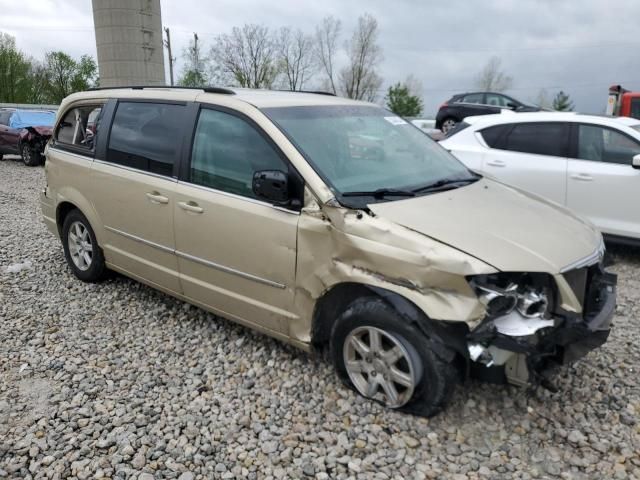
x=507, y=228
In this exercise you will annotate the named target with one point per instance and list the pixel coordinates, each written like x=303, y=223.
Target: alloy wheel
x=448, y=124
x=381, y=365
x=80, y=246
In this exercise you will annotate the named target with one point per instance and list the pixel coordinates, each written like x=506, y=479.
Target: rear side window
x=4, y=118
x=473, y=98
x=146, y=136
x=550, y=138
x=227, y=151
x=76, y=129
x=494, y=136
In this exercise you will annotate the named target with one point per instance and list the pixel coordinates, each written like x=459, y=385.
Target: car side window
x=474, y=98
x=602, y=144
x=549, y=138
x=76, y=128
x=4, y=118
x=497, y=100
x=146, y=136
x=494, y=136
x=227, y=150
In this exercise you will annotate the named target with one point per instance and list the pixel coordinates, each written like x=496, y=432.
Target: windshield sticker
x=395, y=120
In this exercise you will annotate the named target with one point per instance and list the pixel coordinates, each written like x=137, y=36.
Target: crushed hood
x=507, y=228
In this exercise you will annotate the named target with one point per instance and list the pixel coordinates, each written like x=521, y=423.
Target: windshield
x=367, y=149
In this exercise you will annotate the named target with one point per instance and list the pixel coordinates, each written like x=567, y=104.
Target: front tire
x=386, y=358
x=30, y=157
x=81, y=249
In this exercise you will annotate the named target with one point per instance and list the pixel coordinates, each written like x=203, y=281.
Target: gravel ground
x=118, y=380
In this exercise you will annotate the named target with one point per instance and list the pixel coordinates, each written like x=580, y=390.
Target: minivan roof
x=256, y=97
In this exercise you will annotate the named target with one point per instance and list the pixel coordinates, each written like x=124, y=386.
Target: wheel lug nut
x=374, y=373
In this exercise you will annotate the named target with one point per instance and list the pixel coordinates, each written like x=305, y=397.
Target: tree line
x=24, y=79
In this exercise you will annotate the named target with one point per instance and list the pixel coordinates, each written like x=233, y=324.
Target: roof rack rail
x=317, y=92
x=221, y=90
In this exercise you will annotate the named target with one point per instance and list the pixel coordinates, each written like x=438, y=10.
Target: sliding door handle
x=497, y=163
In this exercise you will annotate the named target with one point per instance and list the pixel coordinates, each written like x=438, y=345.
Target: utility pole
x=167, y=44
x=196, y=52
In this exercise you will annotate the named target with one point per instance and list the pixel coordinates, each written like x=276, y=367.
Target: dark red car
x=25, y=133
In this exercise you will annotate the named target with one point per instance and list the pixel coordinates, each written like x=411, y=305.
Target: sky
x=581, y=47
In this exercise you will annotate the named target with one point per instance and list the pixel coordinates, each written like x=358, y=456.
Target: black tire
x=30, y=157
x=438, y=378
x=96, y=270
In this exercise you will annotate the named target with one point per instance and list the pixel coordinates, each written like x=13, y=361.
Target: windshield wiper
x=446, y=184
x=381, y=193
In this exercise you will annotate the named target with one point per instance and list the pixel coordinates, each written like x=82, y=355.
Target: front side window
x=635, y=108
x=76, y=129
x=367, y=149
x=601, y=144
x=227, y=151
x=147, y=136
x=540, y=138
x=497, y=100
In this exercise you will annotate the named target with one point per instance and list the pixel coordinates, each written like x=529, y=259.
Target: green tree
x=15, y=70
x=196, y=64
x=402, y=102
x=562, y=102
x=64, y=75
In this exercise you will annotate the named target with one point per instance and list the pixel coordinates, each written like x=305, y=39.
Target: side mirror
x=512, y=105
x=271, y=185
x=635, y=163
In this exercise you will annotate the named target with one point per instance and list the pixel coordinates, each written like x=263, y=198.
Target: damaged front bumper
x=519, y=350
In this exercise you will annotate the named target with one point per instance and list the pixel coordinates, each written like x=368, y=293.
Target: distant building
x=129, y=42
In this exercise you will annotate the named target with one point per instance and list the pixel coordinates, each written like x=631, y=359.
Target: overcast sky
x=581, y=46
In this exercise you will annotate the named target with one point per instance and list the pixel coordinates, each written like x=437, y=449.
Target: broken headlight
x=530, y=294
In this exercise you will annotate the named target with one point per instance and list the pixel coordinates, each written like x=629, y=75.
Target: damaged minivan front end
x=535, y=321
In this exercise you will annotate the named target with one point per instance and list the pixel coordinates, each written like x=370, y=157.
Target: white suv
x=588, y=163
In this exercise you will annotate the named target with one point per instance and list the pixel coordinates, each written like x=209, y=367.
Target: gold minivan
x=325, y=221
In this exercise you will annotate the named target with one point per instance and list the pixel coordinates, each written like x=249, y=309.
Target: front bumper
x=522, y=360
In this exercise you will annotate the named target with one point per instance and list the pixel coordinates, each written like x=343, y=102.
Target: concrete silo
x=129, y=42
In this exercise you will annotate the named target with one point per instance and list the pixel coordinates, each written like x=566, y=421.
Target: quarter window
x=539, y=138
x=601, y=144
x=227, y=151
x=79, y=127
x=147, y=136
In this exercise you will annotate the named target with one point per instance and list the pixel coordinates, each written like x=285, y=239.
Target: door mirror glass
x=512, y=105
x=271, y=185
x=635, y=163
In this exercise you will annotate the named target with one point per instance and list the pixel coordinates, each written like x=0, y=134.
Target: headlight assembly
x=501, y=294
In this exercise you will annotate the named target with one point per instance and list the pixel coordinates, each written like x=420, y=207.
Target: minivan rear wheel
x=81, y=249
x=386, y=358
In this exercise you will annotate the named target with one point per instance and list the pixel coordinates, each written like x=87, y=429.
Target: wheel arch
x=336, y=300
x=71, y=199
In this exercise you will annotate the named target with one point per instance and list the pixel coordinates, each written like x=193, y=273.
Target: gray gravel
x=117, y=380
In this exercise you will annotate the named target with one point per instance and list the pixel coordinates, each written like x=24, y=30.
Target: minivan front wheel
x=81, y=249
x=388, y=359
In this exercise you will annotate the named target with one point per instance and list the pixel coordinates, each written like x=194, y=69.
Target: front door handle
x=583, y=177
x=497, y=163
x=156, y=197
x=191, y=207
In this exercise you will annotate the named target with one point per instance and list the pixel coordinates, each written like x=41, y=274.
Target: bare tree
x=492, y=78
x=248, y=55
x=295, y=51
x=542, y=99
x=327, y=34
x=359, y=79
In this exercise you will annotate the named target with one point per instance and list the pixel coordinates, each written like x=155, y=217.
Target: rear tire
x=400, y=369
x=448, y=124
x=30, y=157
x=81, y=249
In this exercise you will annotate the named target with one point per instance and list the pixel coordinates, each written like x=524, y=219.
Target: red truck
x=623, y=103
